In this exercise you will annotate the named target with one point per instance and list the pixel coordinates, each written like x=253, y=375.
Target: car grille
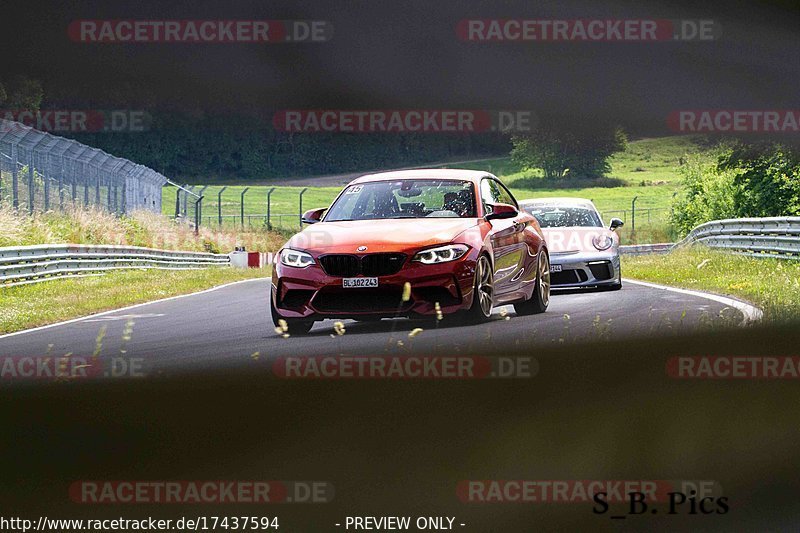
x=368, y=265
x=360, y=300
x=568, y=277
x=340, y=265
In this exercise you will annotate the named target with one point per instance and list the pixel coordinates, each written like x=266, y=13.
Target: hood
x=386, y=235
x=576, y=239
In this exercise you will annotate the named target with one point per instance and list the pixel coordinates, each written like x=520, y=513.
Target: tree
x=767, y=179
x=22, y=93
x=745, y=180
x=560, y=151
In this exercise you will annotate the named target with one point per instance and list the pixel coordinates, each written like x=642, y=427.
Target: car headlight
x=442, y=254
x=602, y=242
x=296, y=258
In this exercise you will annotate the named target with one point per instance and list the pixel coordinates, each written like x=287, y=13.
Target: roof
x=557, y=200
x=424, y=173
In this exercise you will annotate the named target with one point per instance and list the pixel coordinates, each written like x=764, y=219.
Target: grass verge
x=771, y=284
x=38, y=304
x=647, y=169
x=141, y=228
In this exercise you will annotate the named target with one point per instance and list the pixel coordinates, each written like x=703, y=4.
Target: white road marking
x=104, y=313
x=751, y=313
x=122, y=317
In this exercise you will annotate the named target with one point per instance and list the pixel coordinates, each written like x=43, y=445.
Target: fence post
x=49, y=167
x=61, y=186
x=97, y=190
x=300, y=214
x=14, y=177
x=633, y=214
x=188, y=188
x=219, y=204
x=31, y=196
x=269, y=207
x=198, y=207
x=177, y=202
x=74, y=185
x=241, y=204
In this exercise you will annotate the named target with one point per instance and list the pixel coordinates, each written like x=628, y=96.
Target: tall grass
x=141, y=228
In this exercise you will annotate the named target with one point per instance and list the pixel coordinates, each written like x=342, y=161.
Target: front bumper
x=312, y=294
x=585, y=269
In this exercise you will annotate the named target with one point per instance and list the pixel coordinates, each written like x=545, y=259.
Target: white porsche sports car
x=583, y=251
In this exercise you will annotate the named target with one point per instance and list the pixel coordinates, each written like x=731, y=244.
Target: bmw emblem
x=361, y=249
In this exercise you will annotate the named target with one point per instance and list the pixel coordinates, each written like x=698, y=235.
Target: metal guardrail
x=642, y=249
x=32, y=264
x=757, y=237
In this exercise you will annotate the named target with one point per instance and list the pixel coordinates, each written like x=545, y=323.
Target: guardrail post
x=300, y=214
x=219, y=204
x=241, y=204
x=633, y=215
x=269, y=207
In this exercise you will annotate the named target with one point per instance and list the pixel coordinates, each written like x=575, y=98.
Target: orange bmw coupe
x=456, y=238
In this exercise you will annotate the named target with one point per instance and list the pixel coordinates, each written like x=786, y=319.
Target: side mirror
x=313, y=216
x=500, y=211
x=615, y=223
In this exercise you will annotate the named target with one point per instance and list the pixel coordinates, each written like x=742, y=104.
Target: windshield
x=563, y=217
x=404, y=199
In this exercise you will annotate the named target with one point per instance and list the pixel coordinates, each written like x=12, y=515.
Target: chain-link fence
x=43, y=172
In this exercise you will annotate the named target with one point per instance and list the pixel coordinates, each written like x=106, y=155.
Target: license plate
x=356, y=283
x=555, y=268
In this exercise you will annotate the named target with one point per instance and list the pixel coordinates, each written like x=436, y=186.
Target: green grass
x=27, y=306
x=771, y=284
x=647, y=169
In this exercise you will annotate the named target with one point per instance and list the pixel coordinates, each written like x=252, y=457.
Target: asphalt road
x=231, y=326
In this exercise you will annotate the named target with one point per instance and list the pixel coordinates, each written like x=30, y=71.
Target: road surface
x=231, y=326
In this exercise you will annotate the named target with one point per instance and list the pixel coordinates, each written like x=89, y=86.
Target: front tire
x=294, y=325
x=541, y=293
x=483, y=292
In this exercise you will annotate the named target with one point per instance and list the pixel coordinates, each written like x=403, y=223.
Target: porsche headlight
x=602, y=242
x=442, y=254
x=296, y=258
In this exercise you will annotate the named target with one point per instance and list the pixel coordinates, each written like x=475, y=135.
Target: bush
x=760, y=180
x=767, y=179
x=708, y=195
